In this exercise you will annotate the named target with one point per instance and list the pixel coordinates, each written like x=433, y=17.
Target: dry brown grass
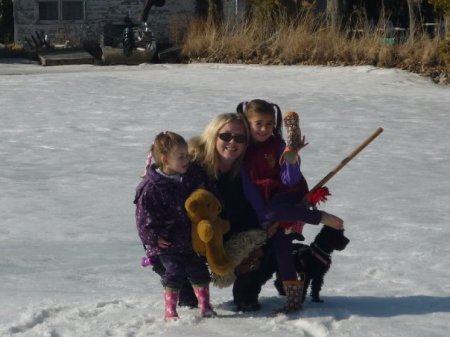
x=16, y=51
x=274, y=40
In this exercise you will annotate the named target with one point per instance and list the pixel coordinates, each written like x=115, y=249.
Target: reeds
x=273, y=39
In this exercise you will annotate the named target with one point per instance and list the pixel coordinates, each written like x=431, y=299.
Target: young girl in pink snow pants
x=162, y=222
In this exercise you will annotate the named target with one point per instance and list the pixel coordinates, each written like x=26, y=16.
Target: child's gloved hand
x=302, y=142
x=146, y=261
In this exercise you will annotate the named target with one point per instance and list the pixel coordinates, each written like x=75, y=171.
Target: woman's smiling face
x=230, y=151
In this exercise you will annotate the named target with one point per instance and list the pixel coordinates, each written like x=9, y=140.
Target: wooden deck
x=64, y=56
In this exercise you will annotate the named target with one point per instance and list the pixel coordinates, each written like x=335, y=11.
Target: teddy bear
x=203, y=209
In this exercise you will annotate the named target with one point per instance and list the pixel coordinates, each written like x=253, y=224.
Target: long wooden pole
x=347, y=159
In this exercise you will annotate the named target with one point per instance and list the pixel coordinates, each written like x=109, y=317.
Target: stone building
x=78, y=20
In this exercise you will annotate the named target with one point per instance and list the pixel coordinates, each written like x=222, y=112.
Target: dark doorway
x=6, y=21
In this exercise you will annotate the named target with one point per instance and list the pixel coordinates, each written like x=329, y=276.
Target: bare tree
x=215, y=10
x=333, y=12
x=412, y=16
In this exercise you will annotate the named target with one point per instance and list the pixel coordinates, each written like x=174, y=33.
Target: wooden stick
x=346, y=160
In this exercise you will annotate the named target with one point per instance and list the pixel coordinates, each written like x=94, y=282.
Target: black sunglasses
x=227, y=137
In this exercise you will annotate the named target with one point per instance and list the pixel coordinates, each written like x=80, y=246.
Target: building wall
x=170, y=21
x=164, y=21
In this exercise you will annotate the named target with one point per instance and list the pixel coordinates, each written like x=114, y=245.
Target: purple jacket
x=160, y=211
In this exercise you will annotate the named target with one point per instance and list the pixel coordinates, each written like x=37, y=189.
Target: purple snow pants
x=178, y=266
x=282, y=245
x=287, y=206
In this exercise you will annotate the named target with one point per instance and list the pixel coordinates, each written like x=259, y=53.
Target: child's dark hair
x=260, y=106
x=164, y=142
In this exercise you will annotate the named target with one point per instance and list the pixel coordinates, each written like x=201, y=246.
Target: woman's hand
x=272, y=229
x=163, y=243
x=332, y=221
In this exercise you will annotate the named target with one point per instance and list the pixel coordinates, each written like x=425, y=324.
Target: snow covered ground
x=73, y=142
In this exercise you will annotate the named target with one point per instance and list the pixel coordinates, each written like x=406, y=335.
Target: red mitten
x=297, y=227
x=292, y=226
x=318, y=195
x=285, y=224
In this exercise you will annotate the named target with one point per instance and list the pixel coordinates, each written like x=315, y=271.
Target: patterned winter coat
x=160, y=211
x=262, y=163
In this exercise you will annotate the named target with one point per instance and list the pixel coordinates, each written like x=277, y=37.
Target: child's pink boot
x=292, y=124
x=170, y=303
x=202, y=294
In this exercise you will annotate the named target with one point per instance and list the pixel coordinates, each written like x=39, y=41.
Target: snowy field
x=73, y=142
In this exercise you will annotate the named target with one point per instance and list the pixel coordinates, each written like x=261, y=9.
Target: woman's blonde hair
x=202, y=149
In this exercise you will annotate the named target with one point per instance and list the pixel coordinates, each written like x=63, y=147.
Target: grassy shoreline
x=276, y=41
x=312, y=43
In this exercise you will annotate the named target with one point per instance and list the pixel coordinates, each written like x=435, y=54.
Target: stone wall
x=166, y=22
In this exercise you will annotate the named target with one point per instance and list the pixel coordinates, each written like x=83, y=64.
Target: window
x=72, y=10
x=48, y=10
x=61, y=10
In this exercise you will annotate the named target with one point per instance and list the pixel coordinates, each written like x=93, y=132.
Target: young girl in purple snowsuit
x=282, y=186
x=163, y=224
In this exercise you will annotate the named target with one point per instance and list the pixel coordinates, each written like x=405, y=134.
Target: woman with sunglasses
x=219, y=150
